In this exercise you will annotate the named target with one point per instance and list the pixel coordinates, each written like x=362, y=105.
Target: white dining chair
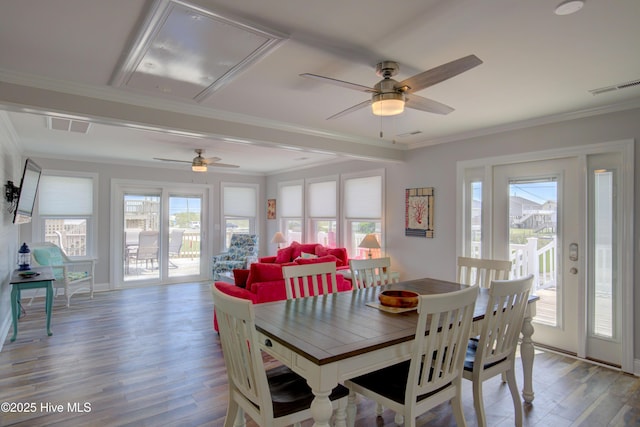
x=370, y=272
x=274, y=397
x=480, y=272
x=310, y=279
x=434, y=373
x=494, y=352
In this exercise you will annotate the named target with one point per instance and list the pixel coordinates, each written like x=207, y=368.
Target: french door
x=158, y=236
x=537, y=222
x=564, y=218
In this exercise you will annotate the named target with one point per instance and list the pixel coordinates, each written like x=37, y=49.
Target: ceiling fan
x=389, y=97
x=199, y=163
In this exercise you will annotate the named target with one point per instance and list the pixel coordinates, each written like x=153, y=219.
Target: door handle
x=573, y=252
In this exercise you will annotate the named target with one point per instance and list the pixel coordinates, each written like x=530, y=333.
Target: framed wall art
x=271, y=208
x=419, y=212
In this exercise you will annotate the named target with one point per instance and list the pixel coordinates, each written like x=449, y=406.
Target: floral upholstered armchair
x=241, y=247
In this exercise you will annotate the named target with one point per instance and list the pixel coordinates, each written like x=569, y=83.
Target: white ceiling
x=537, y=67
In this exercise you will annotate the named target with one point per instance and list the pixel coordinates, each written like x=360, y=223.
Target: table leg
x=527, y=353
x=321, y=408
x=49, y=307
x=15, y=294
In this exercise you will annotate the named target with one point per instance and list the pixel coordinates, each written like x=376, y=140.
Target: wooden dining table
x=328, y=339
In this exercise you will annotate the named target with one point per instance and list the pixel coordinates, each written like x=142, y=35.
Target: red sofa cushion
x=284, y=255
x=320, y=259
x=261, y=272
x=240, y=277
x=340, y=253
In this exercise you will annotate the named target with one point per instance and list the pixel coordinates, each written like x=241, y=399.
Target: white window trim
x=307, y=200
x=256, y=219
x=344, y=220
x=37, y=224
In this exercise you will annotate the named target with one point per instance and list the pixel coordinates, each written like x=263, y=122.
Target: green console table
x=43, y=279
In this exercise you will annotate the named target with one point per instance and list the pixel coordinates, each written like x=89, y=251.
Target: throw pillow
x=321, y=250
x=240, y=277
x=283, y=255
x=305, y=255
x=341, y=254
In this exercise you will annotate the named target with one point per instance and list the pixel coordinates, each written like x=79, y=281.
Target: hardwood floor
x=149, y=357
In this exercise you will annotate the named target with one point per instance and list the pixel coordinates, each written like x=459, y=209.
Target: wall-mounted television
x=27, y=193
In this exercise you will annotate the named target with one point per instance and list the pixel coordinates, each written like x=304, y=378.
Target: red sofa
x=264, y=282
x=296, y=250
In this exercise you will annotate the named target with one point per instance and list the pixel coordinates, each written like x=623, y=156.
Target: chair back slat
x=481, y=272
x=503, y=321
x=370, y=272
x=437, y=358
x=311, y=279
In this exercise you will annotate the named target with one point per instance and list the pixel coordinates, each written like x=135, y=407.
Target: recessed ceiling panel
x=187, y=52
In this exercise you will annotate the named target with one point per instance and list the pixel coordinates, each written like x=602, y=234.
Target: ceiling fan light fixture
x=387, y=104
x=199, y=168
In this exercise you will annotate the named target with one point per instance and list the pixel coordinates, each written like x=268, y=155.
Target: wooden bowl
x=399, y=299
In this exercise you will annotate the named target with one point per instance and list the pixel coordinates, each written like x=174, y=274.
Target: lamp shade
x=278, y=238
x=387, y=104
x=369, y=242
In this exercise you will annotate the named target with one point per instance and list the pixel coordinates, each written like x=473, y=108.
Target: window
x=362, y=207
x=240, y=210
x=290, y=211
x=322, y=211
x=66, y=212
x=473, y=212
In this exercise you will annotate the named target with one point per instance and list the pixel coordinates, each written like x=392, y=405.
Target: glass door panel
x=141, y=237
x=185, y=219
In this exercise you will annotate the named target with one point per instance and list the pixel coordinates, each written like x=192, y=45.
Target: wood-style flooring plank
x=150, y=357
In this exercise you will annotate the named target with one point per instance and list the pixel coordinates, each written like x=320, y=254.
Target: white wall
x=435, y=166
x=11, y=165
x=107, y=172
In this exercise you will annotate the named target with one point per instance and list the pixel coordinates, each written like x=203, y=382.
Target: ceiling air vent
x=615, y=87
x=68, y=125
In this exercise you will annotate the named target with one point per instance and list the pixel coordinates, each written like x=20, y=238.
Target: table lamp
x=278, y=238
x=369, y=242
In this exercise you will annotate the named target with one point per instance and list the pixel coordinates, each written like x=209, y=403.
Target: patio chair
x=71, y=275
x=241, y=247
x=147, y=249
x=494, y=352
x=274, y=397
x=433, y=375
x=175, y=245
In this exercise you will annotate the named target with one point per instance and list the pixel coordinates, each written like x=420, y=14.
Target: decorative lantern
x=24, y=257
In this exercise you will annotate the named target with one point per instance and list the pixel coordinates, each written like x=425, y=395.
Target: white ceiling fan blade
x=172, y=160
x=425, y=104
x=341, y=83
x=439, y=74
x=210, y=160
x=221, y=165
x=350, y=109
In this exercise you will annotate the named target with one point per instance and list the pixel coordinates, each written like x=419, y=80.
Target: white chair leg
x=478, y=403
x=241, y=421
x=517, y=404
x=379, y=409
x=458, y=413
